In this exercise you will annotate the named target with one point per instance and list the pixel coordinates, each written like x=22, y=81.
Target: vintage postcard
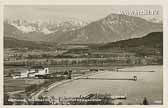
x=82, y=54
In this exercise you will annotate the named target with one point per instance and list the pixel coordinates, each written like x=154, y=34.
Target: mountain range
x=153, y=39
x=147, y=45
x=112, y=28
x=150, y=44
x=46, y=27
x=10, y=42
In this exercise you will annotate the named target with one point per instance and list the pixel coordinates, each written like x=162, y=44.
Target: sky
x=81, y=12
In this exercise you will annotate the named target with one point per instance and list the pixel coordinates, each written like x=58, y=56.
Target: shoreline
x=56, y=84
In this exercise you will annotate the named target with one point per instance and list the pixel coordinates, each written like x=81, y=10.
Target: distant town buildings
x=35, y=71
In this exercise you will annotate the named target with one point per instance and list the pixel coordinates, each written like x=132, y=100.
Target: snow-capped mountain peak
x=46, y=27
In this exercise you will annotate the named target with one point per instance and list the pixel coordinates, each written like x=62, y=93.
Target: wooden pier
x=132, y=79
x=132, y=71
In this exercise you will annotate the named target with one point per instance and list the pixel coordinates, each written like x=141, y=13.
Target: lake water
x=148, y=84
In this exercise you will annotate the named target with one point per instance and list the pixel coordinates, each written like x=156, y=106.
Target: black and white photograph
x=83, y=55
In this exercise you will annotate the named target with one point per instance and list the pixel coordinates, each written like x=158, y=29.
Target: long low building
x=34, y=71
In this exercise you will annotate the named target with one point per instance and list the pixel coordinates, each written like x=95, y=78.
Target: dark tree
x=145, y=101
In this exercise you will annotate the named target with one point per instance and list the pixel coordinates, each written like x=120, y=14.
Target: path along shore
x=36, y=94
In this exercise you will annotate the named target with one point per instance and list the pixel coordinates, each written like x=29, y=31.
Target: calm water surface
x=149, y=84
